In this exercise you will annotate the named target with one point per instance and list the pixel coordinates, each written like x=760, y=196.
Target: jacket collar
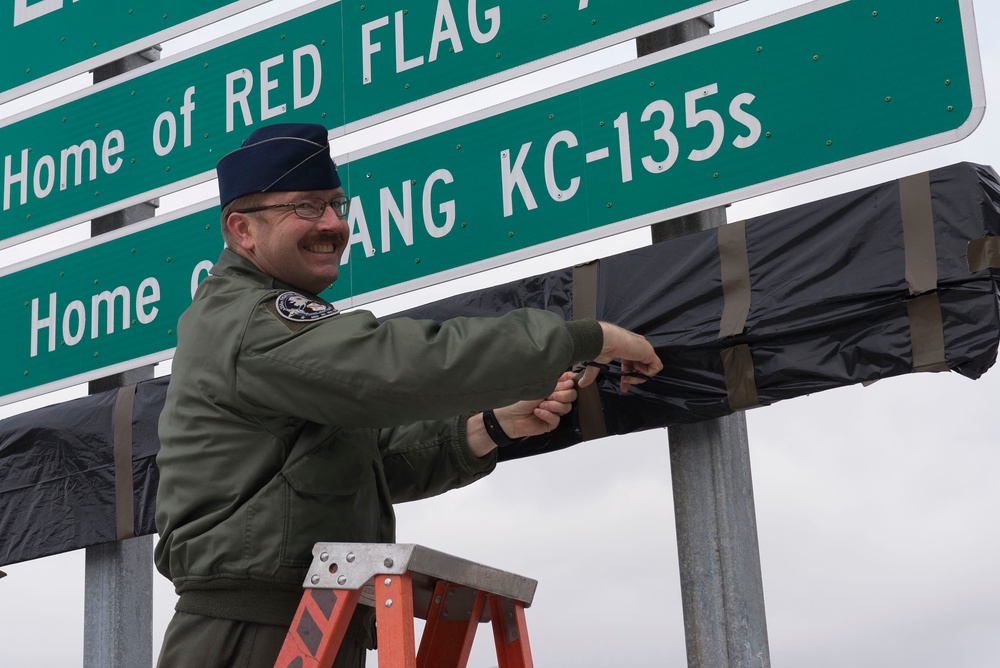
x=232, y=263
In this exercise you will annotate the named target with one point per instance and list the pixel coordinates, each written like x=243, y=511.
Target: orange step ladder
x=405, y=581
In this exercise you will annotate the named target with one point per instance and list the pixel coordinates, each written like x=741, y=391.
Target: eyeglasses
x=310, y=209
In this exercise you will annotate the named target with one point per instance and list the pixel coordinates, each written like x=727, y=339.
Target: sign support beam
x=118, y=603
x=722, y=590
x=118, y=612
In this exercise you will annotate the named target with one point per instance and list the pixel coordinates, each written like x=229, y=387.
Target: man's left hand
x=531, y=418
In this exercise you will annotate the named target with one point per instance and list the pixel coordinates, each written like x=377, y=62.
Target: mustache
x=336, y=238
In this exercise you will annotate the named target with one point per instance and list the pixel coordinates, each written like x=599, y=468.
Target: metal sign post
x=722, y=591
x=118, y=602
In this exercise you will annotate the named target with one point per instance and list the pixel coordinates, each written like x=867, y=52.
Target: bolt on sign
x=47, y=41
x=347, y=66
x=755, y=109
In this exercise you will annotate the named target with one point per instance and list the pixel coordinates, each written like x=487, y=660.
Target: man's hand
x=525, y=418
x=531, y=418
x=633, y=350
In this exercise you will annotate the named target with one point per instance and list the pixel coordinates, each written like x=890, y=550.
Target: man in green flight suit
x=287, y=423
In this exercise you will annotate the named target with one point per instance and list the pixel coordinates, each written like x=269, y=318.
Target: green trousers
x=194, y=641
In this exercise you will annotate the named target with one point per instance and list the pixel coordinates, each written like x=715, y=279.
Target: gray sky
x=876, y=506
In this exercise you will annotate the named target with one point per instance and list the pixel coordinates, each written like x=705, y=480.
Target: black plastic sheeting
x=57, y=473
x=829, y=308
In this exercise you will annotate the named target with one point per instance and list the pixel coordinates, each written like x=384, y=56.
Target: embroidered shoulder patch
x=297, y=308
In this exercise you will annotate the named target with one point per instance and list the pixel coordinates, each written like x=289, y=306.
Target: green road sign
x=104, y=305
x=755, y=109
x=47, y=41
x=703, y=125
x=347, y=66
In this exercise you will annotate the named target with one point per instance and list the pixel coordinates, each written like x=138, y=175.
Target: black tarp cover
x=836, y=292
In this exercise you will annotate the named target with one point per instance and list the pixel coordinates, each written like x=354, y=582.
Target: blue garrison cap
x=283, y=157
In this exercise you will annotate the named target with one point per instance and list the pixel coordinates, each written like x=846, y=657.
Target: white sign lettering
x=74, y=317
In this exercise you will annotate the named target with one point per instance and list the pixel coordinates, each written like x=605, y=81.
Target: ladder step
x=404, y=581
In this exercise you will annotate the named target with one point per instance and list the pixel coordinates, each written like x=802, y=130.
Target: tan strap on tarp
x=920, y=251
x=735, y=271
x=927, y=333
x=918, y=233
x=737, y=362
x=984, y=254
x=124, y=509
x=588, y=399
x=741, y=386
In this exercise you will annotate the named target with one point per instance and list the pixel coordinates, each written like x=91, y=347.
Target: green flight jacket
x=286, y=423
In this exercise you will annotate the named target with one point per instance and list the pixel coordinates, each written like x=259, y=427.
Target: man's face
x=303, y=253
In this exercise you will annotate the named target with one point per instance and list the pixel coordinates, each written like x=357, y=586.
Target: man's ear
x=240, y=230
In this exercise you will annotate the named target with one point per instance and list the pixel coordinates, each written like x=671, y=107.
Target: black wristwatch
x=496, y=432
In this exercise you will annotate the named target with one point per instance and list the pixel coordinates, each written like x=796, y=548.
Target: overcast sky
x=876, y=507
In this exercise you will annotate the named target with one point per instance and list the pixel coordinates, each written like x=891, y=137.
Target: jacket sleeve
x=427, y=458
x=351, y=370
